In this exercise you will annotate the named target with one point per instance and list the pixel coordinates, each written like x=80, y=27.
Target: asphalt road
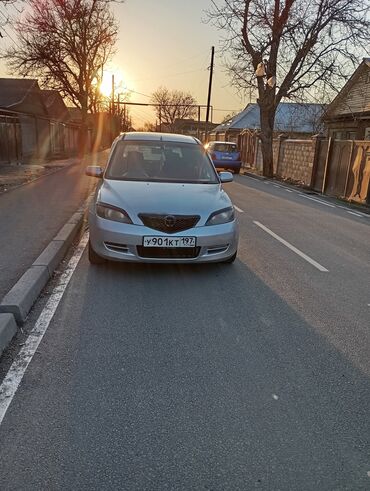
x=31, y=215
x=246, y=376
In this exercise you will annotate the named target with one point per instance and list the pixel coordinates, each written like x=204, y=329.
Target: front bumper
x=119, y=242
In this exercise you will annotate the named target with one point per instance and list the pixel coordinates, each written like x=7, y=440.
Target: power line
x=165, y=76
x=139, y=93
x=226, y=110
x=10, y=37
x=6, y=32
x=171, y=65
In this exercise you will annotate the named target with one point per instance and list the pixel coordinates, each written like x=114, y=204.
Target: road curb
x=255, y=176
x=19, y=300
x=8, y=328
x=304, y=190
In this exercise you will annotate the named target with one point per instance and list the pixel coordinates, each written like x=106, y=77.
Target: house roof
x=290, y=117
x=346, y=90
x=49, y=96
x=13, y=91
x=74, y=113
x=55, y=105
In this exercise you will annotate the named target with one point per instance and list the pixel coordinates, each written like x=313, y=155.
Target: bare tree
x=147, y=126
x=173, y=105
x=229, y=116
x=285, y=48
x=66, y=44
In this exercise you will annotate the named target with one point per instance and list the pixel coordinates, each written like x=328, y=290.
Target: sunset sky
x=165, y=43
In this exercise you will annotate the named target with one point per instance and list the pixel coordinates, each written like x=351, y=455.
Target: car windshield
x=224, y=147
x=161, y=162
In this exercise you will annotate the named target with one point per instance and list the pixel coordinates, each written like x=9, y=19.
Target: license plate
x=226, y=158
x=169, y=242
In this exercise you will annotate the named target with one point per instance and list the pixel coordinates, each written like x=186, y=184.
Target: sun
x=120, y=85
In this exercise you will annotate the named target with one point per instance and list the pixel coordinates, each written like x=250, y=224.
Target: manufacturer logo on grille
x=170, y=221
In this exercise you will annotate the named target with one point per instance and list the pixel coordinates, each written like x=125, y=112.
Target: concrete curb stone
x=17, y=303
x=52, y=255
x=255, y=176
x=67, y=232
x=21, y=297
x=8, y=328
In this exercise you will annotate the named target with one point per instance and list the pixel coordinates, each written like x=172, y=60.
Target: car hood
x=164, y=198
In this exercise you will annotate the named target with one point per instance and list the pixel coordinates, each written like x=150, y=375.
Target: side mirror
x=94, y=171
x=226, y=177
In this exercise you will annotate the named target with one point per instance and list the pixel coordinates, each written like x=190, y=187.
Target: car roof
x=224, y=143
x=164, y=137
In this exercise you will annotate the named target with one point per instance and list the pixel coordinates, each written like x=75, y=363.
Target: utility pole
x=112, y=98
x=198, y=132
x=209, y=90
x=112, y=111
x=119, y=111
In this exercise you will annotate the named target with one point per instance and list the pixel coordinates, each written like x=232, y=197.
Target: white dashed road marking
x=238, y=209
x=353, y=213
x=292, y=248
x=317, y=200
x=363, y=215
x=19, y=366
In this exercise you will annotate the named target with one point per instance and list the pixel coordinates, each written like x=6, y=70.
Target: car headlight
x=221, y=216
x=110, y=212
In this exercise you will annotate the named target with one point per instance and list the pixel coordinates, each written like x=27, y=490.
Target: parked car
x=225, y=155
x=161, y=200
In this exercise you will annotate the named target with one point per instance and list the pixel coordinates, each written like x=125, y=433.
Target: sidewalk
x=14, y=175
x=32, y=213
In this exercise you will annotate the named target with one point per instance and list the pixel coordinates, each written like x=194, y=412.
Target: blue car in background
x=225, y=155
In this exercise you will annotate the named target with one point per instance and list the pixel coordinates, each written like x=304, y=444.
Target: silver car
x=161, y=201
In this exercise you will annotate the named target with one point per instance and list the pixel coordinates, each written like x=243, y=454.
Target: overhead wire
x=169, y=66
x=6, y=19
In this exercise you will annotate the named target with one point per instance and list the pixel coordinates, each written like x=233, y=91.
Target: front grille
x=169, y=223
x=168, y=253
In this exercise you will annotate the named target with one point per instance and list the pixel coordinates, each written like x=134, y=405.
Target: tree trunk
x=267, y=131
x=83, y=146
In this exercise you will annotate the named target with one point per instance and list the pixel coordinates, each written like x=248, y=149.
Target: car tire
x=231, y=259
x=94, y=258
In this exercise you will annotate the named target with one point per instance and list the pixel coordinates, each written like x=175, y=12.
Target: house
x=192, y=127
x=22, y=95
x=21, y=100
x=293, y=119
x=33, y=122
x=62, y=137
x=348, y=116
x=55, y=106
x=102, y=127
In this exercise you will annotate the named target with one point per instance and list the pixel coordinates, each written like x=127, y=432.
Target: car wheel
x=94, y=258
x=231, y=259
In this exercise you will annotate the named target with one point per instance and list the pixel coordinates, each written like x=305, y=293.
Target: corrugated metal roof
x=14, y=90
x=54, y=104
x=290, y=117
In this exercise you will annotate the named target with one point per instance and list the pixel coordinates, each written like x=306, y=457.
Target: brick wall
x=259, y=161
x=296, y=160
